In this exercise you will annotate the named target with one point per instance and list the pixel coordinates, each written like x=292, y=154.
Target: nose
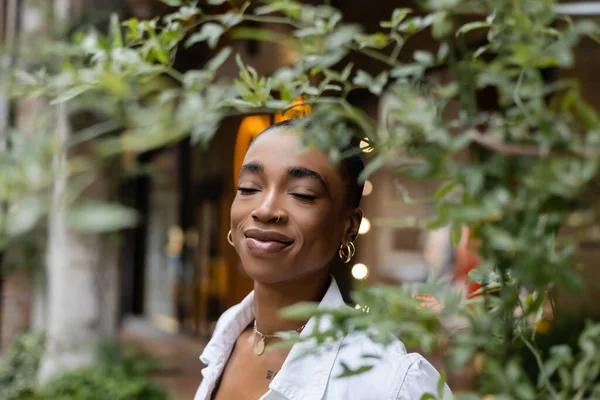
x=269, y=211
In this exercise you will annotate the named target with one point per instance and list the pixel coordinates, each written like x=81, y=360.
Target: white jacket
x=396, y=375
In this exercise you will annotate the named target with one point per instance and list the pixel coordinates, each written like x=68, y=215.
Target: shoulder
x=227, y=317
x=393, y=373
x=421, y=378
x=229, y=325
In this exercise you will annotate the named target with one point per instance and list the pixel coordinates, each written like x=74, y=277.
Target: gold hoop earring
x=347, y=252
x=230, y=238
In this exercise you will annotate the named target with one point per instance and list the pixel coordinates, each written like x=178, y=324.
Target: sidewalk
x=180, y=372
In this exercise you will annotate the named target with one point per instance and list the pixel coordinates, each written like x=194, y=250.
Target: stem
x=272, y=20
x=540, y=364
x=248, y=17
x=517, y=97
x=378, y=56
x=173, y=73
x=524, y=150
x=92, y=132
x=506, y=310
x=397, y=47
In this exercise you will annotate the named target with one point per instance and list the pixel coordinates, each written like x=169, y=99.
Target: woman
x=293, y=213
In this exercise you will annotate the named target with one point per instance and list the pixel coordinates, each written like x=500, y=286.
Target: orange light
x=368, y=188
x=249, y=129
x=252, y=126
x=298, y=110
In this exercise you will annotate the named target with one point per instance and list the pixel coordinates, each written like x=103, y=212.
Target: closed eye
x=247, y=191
x=304, y=197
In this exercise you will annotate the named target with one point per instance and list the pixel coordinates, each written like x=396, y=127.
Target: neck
x=269, y=299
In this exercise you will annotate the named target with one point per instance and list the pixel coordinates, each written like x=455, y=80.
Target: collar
x=302, y=376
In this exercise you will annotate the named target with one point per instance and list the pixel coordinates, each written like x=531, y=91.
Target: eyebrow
x=252, y=167
x=301, y=172
x=293, y=172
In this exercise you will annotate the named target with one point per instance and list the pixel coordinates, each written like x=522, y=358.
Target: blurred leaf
x=95, y=217
x=210, y=32
x=217, y=61
x=347, y=371
x=24, y=214
x=466, y=28
x=423, y=57
x=300, y=311
x=442, y=25
x=407, y=70
x=398, y=16
x=115, y=30
x=375, y=40
x=231, y=19
x=375, y=85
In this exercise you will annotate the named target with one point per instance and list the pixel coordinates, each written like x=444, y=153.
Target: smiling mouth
x=266, y=242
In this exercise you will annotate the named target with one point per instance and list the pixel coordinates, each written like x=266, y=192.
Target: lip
x=264, y=243
x=267, y=236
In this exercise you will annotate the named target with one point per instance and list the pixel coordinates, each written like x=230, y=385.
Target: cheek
x=322, y=232
x=239, y=210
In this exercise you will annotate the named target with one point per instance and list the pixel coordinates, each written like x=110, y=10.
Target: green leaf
x=216, y=2
x=408, y=70
x=423, y=57
x=500, y=239
x=115, y=30
x=442, y=25
x=196, y=80
x=300, y=311
x=133, y=29
x=443, y=52
x=345, y=74
x=173, y=3
x=24, y=214
x=210, y=32
x=342, y=36
x=362, y=78
x=96, y=217
x=70, y=94
x=371, y=167
x=456, y=233
x=398, y=15
x=231, y=19
x=347, y=371
x=441, y=384
x=376, y=40
x=471, y=26
x=217, y=61
x=444, y=189
x=375, y=85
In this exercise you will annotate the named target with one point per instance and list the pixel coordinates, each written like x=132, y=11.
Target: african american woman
x=293, y=213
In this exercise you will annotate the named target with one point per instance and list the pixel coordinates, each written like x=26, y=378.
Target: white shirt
x=396, y=375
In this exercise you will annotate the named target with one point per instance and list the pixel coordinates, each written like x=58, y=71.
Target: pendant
x=259, y=347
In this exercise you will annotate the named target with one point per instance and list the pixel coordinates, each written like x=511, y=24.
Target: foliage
x=19, y=365
x=520, y=174
x=121, y=373
x=102, y=382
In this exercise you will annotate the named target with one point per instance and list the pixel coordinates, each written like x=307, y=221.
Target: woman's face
x=289, y=215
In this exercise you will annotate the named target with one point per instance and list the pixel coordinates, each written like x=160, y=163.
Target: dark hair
x=351, y=164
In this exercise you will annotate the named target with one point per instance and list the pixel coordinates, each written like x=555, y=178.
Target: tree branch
x=524, y=150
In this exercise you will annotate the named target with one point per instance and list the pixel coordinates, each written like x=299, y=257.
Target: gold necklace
x=259, y=347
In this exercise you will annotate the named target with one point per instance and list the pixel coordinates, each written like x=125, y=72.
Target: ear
x=355, y=216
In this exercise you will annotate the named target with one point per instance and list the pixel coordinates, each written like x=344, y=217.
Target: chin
x=266, y=271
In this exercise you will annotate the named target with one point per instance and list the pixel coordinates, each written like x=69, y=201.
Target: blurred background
x=163, y=283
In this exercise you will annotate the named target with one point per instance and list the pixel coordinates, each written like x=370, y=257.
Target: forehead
x=280, y=148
